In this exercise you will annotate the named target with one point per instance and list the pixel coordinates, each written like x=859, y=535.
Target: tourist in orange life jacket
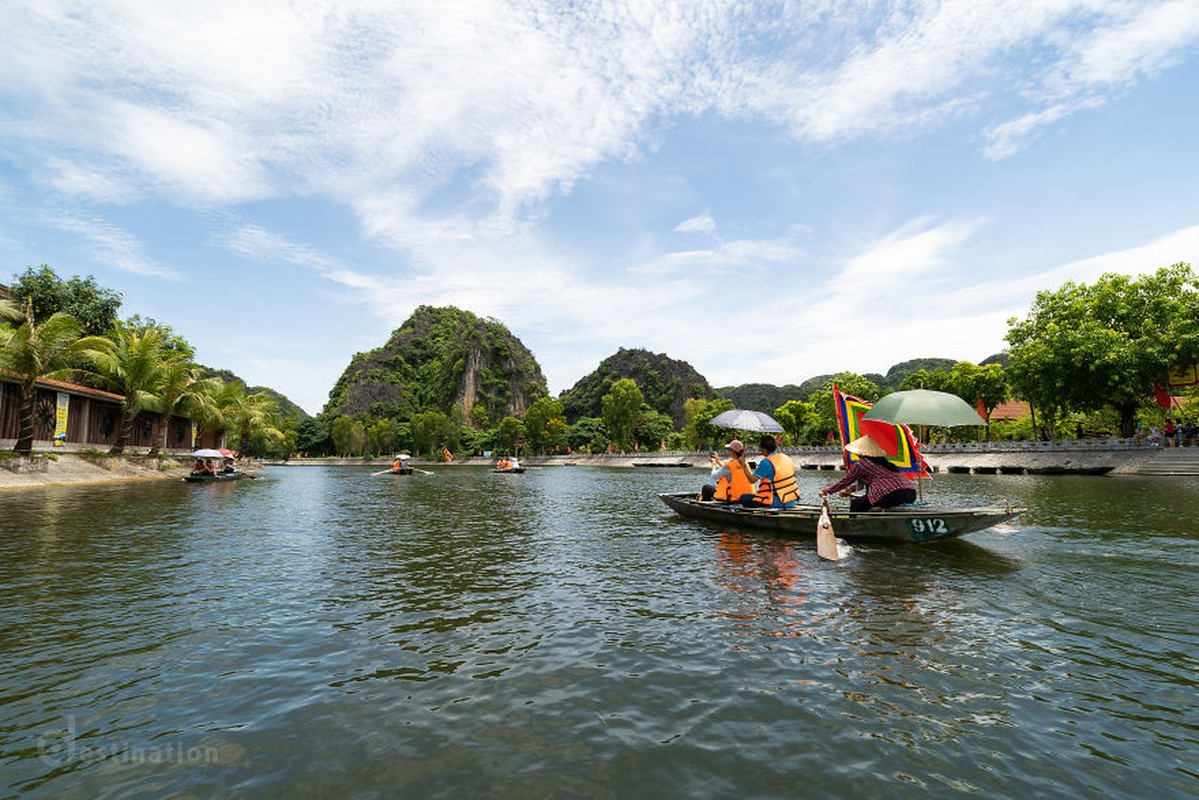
x=733, y=477
x=776, y=478
x=886, y=486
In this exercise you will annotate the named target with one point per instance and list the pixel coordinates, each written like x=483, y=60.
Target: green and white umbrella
x=924, y=407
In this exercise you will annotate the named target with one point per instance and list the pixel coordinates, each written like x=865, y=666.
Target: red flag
x=1162, y=396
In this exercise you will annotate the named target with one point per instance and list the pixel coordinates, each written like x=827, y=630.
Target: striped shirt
x=879, y=480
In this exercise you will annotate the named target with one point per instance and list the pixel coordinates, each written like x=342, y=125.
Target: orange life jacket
x=783, y=486
x=730, y=490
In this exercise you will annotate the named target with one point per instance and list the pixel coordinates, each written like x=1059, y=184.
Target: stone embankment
x=1088, y=456
x=74, y=468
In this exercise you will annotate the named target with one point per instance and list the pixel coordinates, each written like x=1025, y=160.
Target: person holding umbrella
x=733, y=477
x=886, y=486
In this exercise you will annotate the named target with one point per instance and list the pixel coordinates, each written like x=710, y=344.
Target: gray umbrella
x=742, y=420
x=924, y=407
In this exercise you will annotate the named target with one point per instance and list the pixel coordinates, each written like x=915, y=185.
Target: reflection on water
x=323, y=631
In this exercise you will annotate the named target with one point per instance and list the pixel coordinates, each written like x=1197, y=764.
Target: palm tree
x=180, y=388
x=53, y=350
x=10, y=311
x=133, y=368
x=245, y=414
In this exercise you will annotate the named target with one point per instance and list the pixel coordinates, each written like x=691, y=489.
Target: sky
x=769, y=191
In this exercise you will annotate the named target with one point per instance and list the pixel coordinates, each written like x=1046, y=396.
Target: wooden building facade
x=93, y=420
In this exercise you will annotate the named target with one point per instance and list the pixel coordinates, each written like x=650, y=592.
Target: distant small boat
x=401, y=470
x=640, y=464
x=208, y=477
x=508, y=465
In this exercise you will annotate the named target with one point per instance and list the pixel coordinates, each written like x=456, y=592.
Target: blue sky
x=769, y=191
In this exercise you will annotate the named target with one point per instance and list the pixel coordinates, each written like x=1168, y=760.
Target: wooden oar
x=826, y=540
x=380, y=472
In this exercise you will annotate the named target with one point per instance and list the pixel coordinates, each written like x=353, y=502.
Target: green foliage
x=665, y=383
x=761, y=396
x=433, y=431
x=653, y=428
x=382, y=437
x=897, y=376
x=621, y=410
x=349, y=436
x=508, y=434
x=825, y=419
x=545, y=425
x=987, y=382
x=1084, y=347
x=94, y=307
x=799, y=420
x=937, y=380
x=698, y=431
x=314, y=436
x=587, y=435
x=436, y=360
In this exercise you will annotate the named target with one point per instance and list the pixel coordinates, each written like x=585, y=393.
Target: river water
x=322, y=632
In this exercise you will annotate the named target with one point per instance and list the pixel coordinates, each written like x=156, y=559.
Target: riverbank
x=69, y=469
x=1118, y=457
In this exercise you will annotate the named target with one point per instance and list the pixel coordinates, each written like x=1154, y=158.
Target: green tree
x=510, y=431
x=133, y=368
x=545, y=424
x=94, y=307
x=622, y=407
x=433, y=430
x=1084, y=347
x=240, y=416
x=349, y=436
x=587, y=435
x=697, y=415
x=382, y=436
x=704, y=429
x=653, y=428
x=180, y=390
x=937, y=380
x=314, y=436
x=987, y=384
x=53, y=349
x=797, y=418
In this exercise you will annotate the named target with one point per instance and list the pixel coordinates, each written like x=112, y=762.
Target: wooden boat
x=401, y=470
x=210, y=478
x=906, y=524
x=509, y=469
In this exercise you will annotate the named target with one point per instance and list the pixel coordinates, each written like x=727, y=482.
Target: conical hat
x=865, y=446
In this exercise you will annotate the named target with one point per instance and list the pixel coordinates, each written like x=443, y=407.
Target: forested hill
x=441, y=358
x=767, y=397
x=287, y=409
x=665, y=383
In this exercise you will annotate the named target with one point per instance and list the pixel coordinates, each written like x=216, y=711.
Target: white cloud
x=449, y=130
x=1138, y=41
x=113, y=245
x=701, y=223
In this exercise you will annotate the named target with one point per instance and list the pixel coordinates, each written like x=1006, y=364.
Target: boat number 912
x=929, y=528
